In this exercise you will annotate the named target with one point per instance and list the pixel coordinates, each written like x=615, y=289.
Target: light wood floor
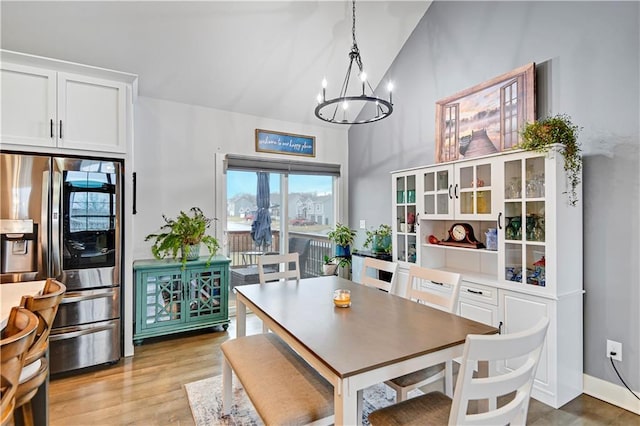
x=147, y=389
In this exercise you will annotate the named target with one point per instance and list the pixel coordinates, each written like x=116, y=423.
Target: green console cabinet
x=170, y=299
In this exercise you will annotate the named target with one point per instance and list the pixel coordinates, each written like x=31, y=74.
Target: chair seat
x=429, y=409
x=418, y=376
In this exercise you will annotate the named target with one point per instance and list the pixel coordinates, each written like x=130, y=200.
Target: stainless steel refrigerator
x=61, y=218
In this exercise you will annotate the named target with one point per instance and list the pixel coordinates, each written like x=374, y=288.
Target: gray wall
x=587, y=56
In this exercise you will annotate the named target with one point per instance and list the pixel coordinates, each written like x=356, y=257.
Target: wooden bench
x=282, y=387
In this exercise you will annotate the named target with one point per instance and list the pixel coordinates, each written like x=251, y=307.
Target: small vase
x=191, y=252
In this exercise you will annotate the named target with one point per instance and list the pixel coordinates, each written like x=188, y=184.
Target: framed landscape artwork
x=284, y=143
x=486, y=118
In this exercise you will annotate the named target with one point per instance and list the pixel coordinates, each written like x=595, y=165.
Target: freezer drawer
x=82, y=346
x=88, y=306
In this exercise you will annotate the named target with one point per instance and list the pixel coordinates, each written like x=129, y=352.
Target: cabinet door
x=406, y=216
x=91, y=113
x=520, y=312
x=523, y=239
x=28, y=105
x=161, y=301
x=438, y=192
x=476, y=190
x=205, y=296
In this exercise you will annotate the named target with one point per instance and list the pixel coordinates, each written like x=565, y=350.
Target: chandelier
x=344, y=109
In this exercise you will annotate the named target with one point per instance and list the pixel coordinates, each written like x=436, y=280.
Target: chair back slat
x=379, y=265
x=17, y=336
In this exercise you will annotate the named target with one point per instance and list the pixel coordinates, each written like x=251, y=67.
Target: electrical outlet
x=363, y=224
x=614, y=347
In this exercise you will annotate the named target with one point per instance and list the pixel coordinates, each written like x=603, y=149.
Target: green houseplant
x=343, y=237
x=184, y=233
x=379, y=239
x=541, y=135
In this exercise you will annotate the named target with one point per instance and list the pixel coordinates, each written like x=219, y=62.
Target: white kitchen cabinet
x=462, y=190
x=537, y=268
x=47, y=106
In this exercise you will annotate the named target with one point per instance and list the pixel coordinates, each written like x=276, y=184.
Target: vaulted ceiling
x=264, y=58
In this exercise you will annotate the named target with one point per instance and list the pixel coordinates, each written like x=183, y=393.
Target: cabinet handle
x=60, y=129
x=418, y=219
x=474, y=291
x=51, y=128
x=500, y=327
x=499, y=218
x=450, y=196
x=455, y=191
x=134, y=183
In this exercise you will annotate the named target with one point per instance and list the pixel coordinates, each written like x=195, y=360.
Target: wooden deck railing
x=241, y=246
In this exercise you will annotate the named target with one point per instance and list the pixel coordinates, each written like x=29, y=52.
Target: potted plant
x=329, y=266
x=184, y=233
x=343, y=237
x=542, y=135
x=379, y=239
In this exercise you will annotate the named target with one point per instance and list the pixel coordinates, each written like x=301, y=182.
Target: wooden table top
x=378, y=329
x=11, y=294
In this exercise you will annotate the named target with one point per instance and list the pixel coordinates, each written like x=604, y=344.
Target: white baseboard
x=611, y=393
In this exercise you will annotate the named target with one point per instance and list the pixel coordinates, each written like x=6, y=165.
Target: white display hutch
x=537, y=268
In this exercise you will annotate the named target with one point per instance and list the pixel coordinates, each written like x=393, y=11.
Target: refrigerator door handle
x=44, y=225
x=56, y=196
x=79, y=296
x=72, y=332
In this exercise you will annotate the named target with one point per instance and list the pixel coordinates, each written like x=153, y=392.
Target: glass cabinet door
x=437, y=195
x=204, y=296
x=524, y=221
x=406, y=218
x=473, y=191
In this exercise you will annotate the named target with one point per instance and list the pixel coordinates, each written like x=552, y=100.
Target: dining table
x=380, y=336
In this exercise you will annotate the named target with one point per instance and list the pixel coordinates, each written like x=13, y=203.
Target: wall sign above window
x=284, y=143
x=486, y=118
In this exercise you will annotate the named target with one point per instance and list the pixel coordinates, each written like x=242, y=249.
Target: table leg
x=226, y=387
x=241, y=318
x=347, y=405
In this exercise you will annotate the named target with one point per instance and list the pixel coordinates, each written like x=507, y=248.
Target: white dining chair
x=282, y=267
x=378, y=265
x=514, y=385
x=445, y=298
x=281, y=270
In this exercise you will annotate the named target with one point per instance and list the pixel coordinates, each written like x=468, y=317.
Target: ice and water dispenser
x=18, y=246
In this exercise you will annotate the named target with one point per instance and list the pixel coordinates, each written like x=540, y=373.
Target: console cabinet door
x=28, y=105
x=91, y=113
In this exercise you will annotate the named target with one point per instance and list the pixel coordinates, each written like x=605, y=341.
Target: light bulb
x=363, y=76
x=345, y=105
x=324, y=83
x=390, y=86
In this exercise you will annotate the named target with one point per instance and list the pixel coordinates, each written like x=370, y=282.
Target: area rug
x=205, y=400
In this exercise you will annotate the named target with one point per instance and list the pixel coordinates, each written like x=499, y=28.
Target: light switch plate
x=363, y=224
